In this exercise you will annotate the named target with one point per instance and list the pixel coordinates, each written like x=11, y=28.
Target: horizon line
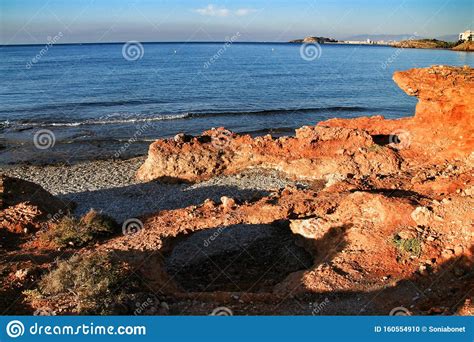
x=187, y=42
x=150, y=42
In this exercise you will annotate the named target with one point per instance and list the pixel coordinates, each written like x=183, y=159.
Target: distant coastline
x=466, y=46
x=325, y=40
x=189, y=43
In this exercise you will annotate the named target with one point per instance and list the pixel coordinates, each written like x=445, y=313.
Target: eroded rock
x=442, y=127
x=422, y=216
x=25, y=205
x=312, y=154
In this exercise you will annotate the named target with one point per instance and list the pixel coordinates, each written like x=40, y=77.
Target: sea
x=75, y=102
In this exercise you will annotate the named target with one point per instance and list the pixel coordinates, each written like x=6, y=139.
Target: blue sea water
x=95, y=100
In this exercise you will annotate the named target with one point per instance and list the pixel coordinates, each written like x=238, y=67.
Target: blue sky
x=33, y=21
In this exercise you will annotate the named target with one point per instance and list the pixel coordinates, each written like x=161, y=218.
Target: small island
x=324, y=40
x=319, y=40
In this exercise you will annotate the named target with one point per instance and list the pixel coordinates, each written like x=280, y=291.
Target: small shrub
x=439, y=43
x=70, y=231
x=99, y=223
x=32, y=295
x=90, y=279
x=408, y=246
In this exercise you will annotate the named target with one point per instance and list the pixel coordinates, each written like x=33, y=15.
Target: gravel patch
x=110, y=186
x=82, y=177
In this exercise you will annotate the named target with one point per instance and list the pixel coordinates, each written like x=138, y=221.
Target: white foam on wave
x=104, y=121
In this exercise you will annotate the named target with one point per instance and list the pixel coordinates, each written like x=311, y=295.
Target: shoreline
x=376, y=208
x=110, y=186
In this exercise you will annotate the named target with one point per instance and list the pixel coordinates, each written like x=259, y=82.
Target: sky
x=74, y=21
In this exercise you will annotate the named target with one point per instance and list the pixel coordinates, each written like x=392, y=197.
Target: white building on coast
x=466, y=35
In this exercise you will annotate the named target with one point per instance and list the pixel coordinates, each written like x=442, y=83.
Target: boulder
x=26, y=205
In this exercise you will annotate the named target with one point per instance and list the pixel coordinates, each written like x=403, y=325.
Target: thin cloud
x=214, y=11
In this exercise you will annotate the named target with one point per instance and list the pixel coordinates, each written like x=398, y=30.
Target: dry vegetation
x=92, y=281
x=73, y=232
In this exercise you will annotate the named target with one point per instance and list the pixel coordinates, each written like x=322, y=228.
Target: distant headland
x=463, y=43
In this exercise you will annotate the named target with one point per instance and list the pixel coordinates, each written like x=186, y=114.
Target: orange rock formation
x=442, y=128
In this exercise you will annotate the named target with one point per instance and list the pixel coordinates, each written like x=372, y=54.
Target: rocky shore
x=434, y=44
x=351, y=216
x=466, y=46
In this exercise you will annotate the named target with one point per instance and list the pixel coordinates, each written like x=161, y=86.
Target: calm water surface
x=94, y=100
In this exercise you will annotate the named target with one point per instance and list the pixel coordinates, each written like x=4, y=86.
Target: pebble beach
x=110, y=186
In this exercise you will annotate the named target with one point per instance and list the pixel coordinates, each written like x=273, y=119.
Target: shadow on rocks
x=146, y=198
